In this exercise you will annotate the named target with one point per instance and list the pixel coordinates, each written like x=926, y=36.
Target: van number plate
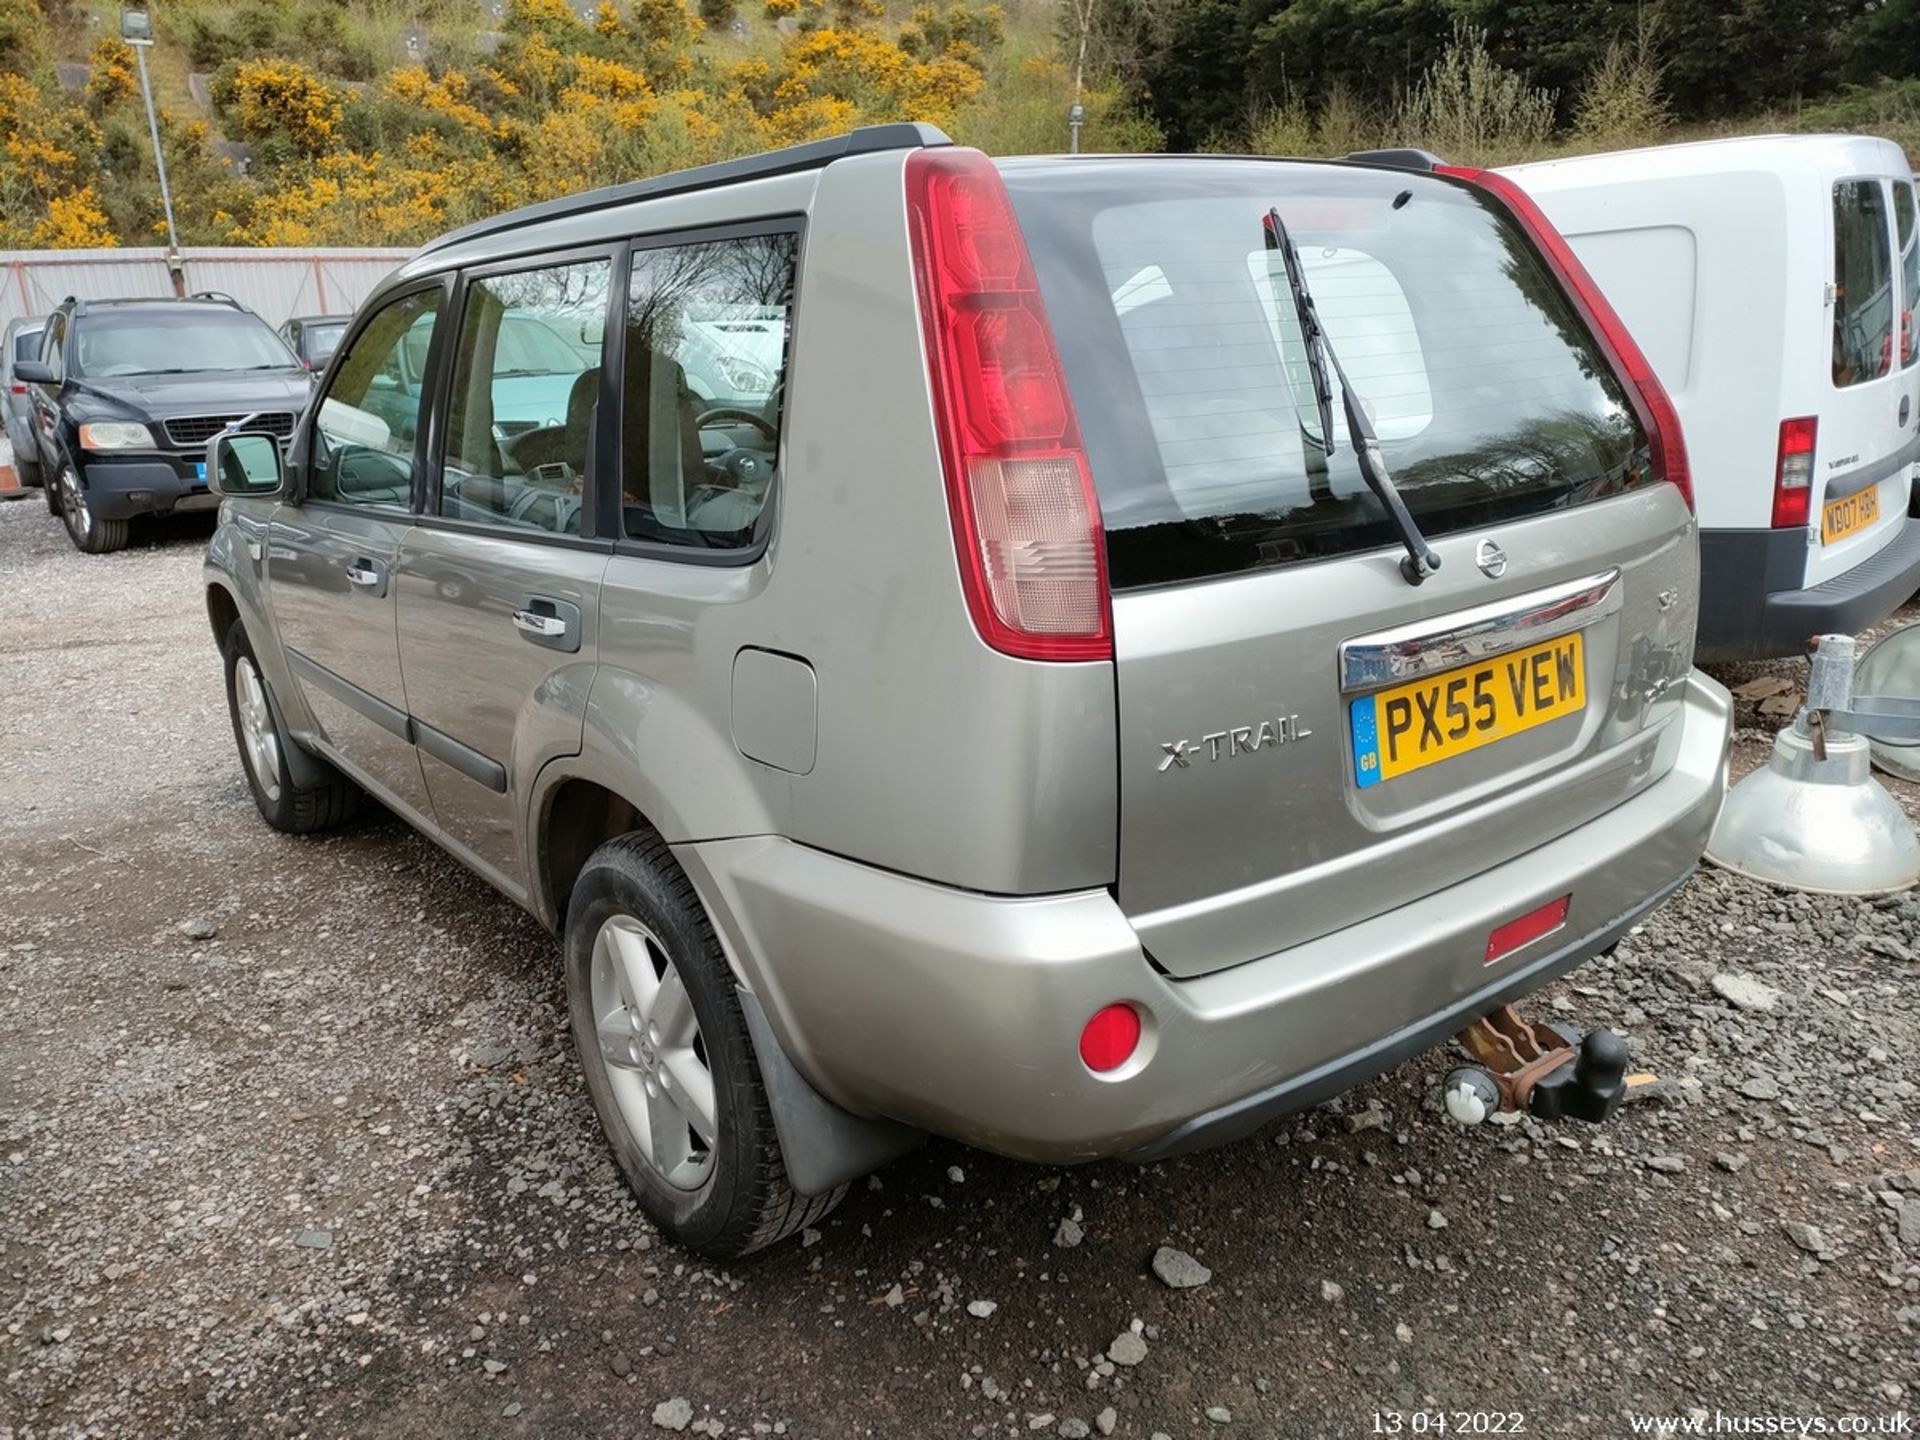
x=1849, y=514
x=1433, y=719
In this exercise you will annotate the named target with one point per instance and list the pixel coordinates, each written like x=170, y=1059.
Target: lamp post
x=136, y=28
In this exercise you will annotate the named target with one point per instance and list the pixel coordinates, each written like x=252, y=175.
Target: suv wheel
x=264, y=745
x=90, y=534
x=668, y=1060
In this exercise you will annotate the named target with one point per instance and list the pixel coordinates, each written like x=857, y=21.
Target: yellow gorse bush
x=281, y=97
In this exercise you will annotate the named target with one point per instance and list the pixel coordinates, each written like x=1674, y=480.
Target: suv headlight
x=115, y=435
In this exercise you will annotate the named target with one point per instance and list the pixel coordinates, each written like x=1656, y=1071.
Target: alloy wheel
x=258, y=737
x=656, y=1058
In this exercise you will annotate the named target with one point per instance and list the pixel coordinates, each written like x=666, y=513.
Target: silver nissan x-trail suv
x=1077, y=655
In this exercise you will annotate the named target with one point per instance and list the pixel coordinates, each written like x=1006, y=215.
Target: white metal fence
x=275, y=284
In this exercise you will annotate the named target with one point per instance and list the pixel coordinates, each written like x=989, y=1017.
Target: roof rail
x=220, y=296
x=1401, y=159
x=814, y=155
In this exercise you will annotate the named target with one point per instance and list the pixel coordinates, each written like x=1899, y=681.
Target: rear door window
x=1183, y=352
x=526, y=396
x=1863, y=297
x=1907, y=238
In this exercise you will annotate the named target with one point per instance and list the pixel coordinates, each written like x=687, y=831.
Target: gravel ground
x=292, y=1142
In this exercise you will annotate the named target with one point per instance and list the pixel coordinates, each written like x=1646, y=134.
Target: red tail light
x=1026, y=521
x=1658, y=418
x=1793, y=473
x=18, y=388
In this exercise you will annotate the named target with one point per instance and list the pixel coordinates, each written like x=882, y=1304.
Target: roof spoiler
x=814, y=155
x=1405, y=158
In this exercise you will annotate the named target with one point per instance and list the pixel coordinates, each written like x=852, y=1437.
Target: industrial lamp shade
x=1813, y=817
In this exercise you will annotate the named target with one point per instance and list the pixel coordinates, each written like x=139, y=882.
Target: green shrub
x=1469, y=109
x=1622, y=102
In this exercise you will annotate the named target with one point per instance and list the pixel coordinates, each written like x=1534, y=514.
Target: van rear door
x=1863, y=447
x=1306, y=739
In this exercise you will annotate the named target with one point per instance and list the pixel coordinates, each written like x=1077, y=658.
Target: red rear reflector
x=1110, y=1038
x=1793, y=473
x=18, y=388
x=1665, y=445
x=1528, y=928
x=1026, y=520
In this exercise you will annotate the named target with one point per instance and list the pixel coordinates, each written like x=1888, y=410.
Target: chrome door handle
x=547, y=627
x=363, y=575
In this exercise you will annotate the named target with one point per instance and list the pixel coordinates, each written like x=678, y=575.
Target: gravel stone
x=981, y=1309
x=1805, y=1236
x=200, y=927
x=314, y=1239
x=1667, y=1164
x=1909, y=1223
x=1744, y=992
x=1127, y=1349
x=1331, y=1293
x=674, y=1414
x=1219, y=1414
x=1106, y=1420
x=1179, y=1270
x=1068, y=1233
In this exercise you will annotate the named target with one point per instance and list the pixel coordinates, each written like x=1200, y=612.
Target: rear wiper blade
x=1420, y=561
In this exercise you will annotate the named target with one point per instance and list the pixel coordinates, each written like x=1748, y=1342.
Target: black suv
x=126, y=394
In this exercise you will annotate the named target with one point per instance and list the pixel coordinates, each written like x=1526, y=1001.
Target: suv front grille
x=185, y=430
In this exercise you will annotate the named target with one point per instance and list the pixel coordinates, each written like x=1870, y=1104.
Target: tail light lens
x=1793, y=473
x=1658, y=418
x=1026, y=521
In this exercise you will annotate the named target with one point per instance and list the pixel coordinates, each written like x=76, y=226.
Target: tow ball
x=1545, y=1070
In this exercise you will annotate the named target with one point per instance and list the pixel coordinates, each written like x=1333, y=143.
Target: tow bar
x=1544, y=1070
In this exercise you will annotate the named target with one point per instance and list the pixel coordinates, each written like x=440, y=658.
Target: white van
x=1772, y=283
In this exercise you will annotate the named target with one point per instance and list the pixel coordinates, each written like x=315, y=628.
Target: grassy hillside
x=389, y=121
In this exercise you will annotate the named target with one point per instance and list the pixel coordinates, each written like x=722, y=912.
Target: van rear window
x=1908, y=241
x=1863, y=299
x=1183, y=353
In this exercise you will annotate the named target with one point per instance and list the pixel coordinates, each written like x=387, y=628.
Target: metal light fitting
x=1814, y=818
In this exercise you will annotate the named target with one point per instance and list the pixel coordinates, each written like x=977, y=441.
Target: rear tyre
x=90, y=534
x=264, y=746
x=668, y=1060
x=28, y=469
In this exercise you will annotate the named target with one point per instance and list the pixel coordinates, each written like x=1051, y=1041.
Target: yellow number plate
x=1430, y=720
x=1841, y=518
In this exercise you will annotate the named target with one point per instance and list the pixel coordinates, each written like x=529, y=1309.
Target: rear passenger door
x=499, y=582
x=332, y=553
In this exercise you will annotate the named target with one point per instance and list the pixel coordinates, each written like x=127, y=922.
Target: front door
x=332, y=554
x=499, y=584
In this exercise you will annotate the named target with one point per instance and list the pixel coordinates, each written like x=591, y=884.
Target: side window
x=370, y=410
x=1862, y=283
x=705, y=370
x=526, y=394
x=1907, y=237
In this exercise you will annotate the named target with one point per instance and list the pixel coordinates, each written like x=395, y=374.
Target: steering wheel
x=739, y=415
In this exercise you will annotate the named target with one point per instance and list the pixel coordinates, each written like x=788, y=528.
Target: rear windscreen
x=1182, y=347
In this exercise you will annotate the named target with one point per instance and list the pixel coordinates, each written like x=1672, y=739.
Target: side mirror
x=245, y=464
x=34, y=372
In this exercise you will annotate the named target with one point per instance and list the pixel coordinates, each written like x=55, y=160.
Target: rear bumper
x=960, y=1013
x=119, y=489
x=1752, y=606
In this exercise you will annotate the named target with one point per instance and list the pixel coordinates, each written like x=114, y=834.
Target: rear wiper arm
x=1420, y=561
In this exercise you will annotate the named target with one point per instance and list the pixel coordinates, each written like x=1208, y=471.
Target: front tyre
x=90, y=534
x=264, y=745
x=668, y=1060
